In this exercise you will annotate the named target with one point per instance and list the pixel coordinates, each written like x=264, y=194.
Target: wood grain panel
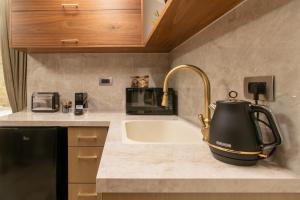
x=91, y=49
x=82, y=167
x=86, y=136
x=83, y=191
x=106, y=4
x=48, y=28
x=179, y=196
x=26, y=5
x=182, y=19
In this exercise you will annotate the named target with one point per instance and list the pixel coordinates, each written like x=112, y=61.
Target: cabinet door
x=86, y=136
x=26, y=5
x=76, y=28
x=83, y=164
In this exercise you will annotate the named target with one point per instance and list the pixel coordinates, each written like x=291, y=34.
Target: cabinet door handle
x=80, y=194
x=87, y=137
x=70, y=5
x=94, y=157
x=70, y=41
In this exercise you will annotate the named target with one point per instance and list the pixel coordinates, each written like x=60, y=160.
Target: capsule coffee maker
x=80, y=103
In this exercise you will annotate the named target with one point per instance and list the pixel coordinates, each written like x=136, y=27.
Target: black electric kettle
x=235, y=134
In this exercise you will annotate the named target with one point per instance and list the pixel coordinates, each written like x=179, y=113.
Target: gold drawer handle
x=87, y=194
x=73, y=41
x=87, y=137
x=87, y=157
x=70, y=5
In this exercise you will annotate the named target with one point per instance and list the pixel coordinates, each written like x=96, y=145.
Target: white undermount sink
x=160, y=132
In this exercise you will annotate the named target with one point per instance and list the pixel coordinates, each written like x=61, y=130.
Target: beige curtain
x=14, y=64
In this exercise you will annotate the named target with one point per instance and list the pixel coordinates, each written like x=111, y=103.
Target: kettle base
x=233, y=161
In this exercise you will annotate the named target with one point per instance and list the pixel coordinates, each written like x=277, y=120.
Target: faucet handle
x=204, y=127
x=213, y=106
x=201, y=118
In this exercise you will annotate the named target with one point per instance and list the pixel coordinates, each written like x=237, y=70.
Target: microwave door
x=43, y=102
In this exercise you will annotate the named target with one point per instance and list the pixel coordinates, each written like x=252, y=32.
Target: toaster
x=45, y=102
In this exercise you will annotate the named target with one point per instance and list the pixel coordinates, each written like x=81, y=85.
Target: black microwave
x=45, y=102
x=147, y=101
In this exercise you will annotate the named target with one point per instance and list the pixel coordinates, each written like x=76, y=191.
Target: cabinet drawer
x=26, y=5
x=105, y=4
x=76, y=29
x=83, y=191
x=86, y=136
x=83, y=163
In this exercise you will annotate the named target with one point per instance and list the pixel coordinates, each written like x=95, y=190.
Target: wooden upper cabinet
x=110, y=25
x=62, y=24
x=78, y=29
x=26, y=5
x=181, y=19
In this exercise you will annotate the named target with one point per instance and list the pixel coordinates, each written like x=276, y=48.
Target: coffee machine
x=80, y=102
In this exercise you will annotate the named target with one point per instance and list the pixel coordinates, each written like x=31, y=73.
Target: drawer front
x=83, y=192
x=105, y=4
x=76, y=29
x=86, y=136
x=83, y=163
x=25, y=5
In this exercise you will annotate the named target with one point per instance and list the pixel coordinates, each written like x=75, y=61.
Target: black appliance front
x=147, y=101
x=80, y=102
x=45, y=102
x=33, y=163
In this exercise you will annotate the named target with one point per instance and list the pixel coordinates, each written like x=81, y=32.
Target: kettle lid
x=232, y=99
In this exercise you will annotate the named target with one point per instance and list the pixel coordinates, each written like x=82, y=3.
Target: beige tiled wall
x=257, y=38
x=69, y=73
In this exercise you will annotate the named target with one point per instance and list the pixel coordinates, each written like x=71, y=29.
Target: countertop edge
x=290, y=185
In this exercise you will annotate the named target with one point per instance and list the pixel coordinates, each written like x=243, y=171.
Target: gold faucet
x=204, y=119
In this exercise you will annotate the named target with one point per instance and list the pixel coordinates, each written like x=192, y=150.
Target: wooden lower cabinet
x=200, y=196
x=85, y=146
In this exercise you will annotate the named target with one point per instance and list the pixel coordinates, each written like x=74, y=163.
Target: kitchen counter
x=160, y=168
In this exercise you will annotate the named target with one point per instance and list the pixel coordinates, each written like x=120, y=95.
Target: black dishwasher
x=33, y=163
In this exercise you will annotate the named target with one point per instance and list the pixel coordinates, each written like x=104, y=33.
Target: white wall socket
x=106, y=81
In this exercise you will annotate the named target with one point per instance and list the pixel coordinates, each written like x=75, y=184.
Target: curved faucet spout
x=204, y=119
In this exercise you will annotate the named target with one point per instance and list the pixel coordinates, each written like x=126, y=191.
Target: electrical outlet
x=269, y=80
x=107, y=81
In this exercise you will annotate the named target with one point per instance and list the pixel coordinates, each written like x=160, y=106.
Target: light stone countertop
x=172, y=168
